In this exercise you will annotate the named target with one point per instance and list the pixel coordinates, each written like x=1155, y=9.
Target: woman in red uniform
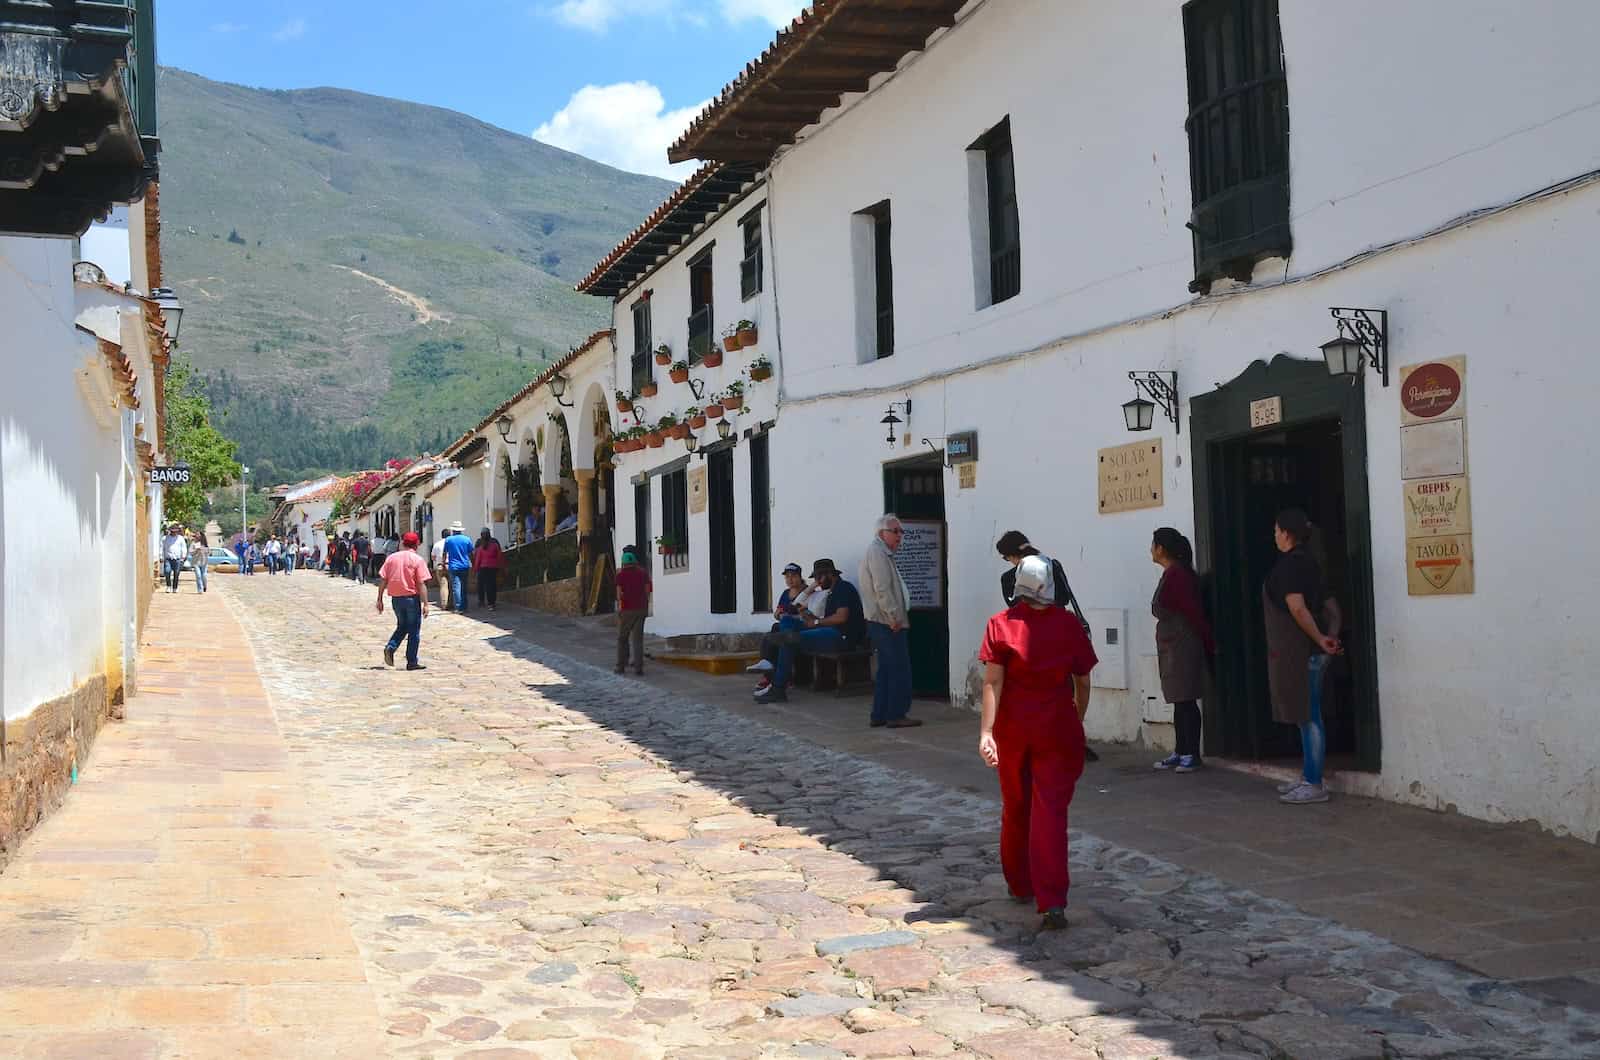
x=1035, y=691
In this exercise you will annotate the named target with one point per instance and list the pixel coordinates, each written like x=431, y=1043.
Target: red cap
x=410, y=539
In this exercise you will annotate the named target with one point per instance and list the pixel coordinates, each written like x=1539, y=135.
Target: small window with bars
x=674, y=543
x=750, y=264
x=1005, y=227
x=641, y=373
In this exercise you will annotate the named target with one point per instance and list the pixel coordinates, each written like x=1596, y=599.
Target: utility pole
x=243, y=473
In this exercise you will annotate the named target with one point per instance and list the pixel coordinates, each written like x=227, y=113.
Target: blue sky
x=616, y=80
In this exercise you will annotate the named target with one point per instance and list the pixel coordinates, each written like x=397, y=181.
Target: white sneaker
x=760, y=666
x=1289, y=785
x=1305, y=793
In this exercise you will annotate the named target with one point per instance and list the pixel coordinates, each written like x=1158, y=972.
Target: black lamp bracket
x=1369, y=327
x=1162, y=388
x=943, y=459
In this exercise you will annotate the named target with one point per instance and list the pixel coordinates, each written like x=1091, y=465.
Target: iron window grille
x=1005, y=227
x=750, y=268
x=675, y=519
x=1238, y=128
x=641, y=371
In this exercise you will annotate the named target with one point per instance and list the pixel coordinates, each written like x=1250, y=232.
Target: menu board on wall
x=920, y=560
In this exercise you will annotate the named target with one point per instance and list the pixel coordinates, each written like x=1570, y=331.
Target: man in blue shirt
x=458, y=562
x=842, y=627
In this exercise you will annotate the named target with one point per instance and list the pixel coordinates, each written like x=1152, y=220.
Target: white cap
x=1035, y=580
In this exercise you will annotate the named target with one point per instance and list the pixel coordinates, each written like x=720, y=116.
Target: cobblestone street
x=537, y=858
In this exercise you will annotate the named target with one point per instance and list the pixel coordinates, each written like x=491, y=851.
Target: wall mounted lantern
x=1363, y=336
x=724, y=429
x=891, y=421
x=171, y=310
x=1140, y=413
x=691, y=443
x=503, y=425
x=558, y=387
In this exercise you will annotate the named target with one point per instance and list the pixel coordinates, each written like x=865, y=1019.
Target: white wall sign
x=920, y=560
x=1433, y=450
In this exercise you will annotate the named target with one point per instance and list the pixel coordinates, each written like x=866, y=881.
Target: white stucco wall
x=107, y=244
x=63, y=486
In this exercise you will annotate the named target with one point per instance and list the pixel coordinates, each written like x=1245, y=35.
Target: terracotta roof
x=668, y=227
x=538, y=381
x=324, y=494
x=832, y=47
x=121, y=370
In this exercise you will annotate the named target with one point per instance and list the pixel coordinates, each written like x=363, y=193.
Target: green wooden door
x=914, y=490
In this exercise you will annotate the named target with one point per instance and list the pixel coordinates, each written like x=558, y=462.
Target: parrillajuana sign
x=1433, y=391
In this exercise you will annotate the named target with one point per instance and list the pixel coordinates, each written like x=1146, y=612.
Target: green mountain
x=365, y=277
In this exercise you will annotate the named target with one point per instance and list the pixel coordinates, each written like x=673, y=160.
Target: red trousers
x=1038, y=774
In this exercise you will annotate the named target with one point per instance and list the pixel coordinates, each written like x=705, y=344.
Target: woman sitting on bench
x=841, y=627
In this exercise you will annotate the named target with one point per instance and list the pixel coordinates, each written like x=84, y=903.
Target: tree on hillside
x=192, y=440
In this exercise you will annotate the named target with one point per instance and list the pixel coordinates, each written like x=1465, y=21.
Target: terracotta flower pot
x=713, y=411
x=713, y=359
x=759, y=374
x=648, y=390
x=747, y=338
x=679, y=431
x=663, y=358
x=679, y=375
x=731, y=343
x=624, y=406
x=696, y=422
x=655, y=439
x=734, y=403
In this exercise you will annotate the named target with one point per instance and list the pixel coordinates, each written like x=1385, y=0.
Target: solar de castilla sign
x=170, y=476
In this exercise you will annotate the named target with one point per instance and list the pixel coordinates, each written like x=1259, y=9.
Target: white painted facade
x=70, y=478
x=682, y=601
x=1415, y=133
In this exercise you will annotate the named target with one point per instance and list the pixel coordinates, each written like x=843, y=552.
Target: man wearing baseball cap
x=404, y=577
x=794, y=599
x=841, y=627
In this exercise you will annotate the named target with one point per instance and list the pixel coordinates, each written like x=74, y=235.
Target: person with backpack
x=1014, y=547
x=1183, y=643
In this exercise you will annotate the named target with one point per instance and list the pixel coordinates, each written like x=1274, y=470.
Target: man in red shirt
x=404, y=577
x=633, y=604
x=1035, y=692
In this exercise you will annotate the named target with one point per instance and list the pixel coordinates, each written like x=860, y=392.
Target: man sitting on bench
x=841, y=628
x=797, y=596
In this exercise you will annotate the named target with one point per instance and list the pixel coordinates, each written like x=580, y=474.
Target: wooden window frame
x=1005, y=221
x=641, y=365
x=752, y=265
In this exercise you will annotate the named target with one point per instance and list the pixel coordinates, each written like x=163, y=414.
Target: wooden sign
x=1439, y=566
x=1266, y=412
x=697, y=489
x=1436, y=506
x=967, y=475
x=920, y=561
x=1433, y=391
x=1130, y=477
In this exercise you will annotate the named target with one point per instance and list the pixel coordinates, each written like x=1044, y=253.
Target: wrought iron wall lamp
x=1363, y=335
x=1162, y=387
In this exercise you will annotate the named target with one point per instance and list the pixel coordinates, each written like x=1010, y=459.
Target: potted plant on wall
x=694, y=417
x=663, y=354
x=730, y=338
x=624, y=402
x=733, y=396
x=679, y=372
x=648, y=390
x=713, y=409
x=746, y=331
x=760, y=368
x=666, y=545
x=654, y=439
x=669, y=427
x=712, y=358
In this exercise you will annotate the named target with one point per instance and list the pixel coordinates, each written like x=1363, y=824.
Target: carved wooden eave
x=832, y=48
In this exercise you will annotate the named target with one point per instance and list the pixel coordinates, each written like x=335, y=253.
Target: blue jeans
x=891, y=690
x=407, y=625
x=458, y=588
x=1313, y=743
x=170, y=570
x=200, y=577
x=288, y=563
x=823, y=639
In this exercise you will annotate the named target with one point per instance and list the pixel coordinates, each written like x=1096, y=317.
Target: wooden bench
x=844, y=673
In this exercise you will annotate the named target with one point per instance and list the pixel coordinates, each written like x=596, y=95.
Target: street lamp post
x=243, y=471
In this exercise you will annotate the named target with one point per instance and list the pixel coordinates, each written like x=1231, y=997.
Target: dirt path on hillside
x=426, y=314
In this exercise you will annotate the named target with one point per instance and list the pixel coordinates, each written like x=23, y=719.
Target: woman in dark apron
x=1183, y=643
x=1298, y=649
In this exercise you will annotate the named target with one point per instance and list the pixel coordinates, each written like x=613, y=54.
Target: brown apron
x=1288, y=659
x=1180, y=654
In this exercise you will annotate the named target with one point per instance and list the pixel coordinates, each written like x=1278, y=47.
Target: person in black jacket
x=1014, y=547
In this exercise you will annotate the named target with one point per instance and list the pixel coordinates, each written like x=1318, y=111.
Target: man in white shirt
x=441, y=574
x=174, y=550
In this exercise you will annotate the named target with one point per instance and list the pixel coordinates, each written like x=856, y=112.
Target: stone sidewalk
x=182, y=903
x=1507, y=901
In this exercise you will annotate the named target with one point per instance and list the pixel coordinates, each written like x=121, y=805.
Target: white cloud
x=598, y=15
x=229, y=27
x=625, y=125
x=776, y=13
x=293, y=29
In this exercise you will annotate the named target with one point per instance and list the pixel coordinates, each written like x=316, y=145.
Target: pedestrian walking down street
x=199, y=559
x=1014, y=547
x=1183, y=643
x=274, y=552
x=404, y=578
x=291, y=553
x=458, y=563
x=252, y=556
x=888, y=612
x=174, y=550
x=633, y=605
x=436, y=562
x=239, y=551
x=1298, y=649
x=361, y=553
x=488, y=559
x=1035, y=691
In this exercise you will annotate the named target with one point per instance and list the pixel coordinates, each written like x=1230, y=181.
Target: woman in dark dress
x=1183, y=643
x=1298, y=648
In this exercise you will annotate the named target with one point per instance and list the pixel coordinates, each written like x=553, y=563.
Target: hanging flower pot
x=679, y=372
x=663, y=355
x=696, y=422
x=648, y=390
x=655, y=439
x=760, y=372
x=679, y=431
x=746, y=334
x=624, y=405
x=733, y=401
x=713, y=359
x=712, y=411
x=730, y=342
